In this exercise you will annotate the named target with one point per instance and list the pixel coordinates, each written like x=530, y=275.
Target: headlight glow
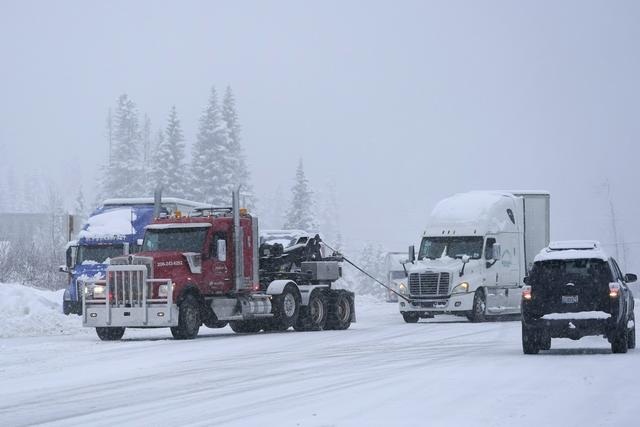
x=402, y=287
x=163, y=291
x=461, y=288
x=98, y=291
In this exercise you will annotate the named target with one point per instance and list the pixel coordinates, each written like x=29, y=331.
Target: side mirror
x=630, y=278
x=63, y=269
x=524, y=280
x=70, y=256
x=412, y=254
x=221, y=247
x=139, y=242
x=465, y=258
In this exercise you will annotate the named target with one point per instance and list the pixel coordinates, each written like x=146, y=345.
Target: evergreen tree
x=123, y=174
x=300, y=214
x=146, y=150
x=168, y=165
x=329, y=218
x=235, y=165
x=79, y=208
x=207, y=181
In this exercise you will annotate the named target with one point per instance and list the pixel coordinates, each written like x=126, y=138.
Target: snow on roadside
x=26, y=311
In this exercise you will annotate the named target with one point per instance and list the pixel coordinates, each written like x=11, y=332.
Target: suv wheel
x=530, y=342
x=620, y=341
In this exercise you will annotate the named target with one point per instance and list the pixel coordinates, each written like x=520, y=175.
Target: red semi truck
x=209, y=269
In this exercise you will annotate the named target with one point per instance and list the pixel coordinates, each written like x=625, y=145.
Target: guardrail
x=126, y=286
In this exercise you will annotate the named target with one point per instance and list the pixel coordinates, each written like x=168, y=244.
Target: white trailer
x=474, y=254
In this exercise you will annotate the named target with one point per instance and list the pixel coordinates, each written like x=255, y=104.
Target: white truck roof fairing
x=475, y=213
x=572, y=249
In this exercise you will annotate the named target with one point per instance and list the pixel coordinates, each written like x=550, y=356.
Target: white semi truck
x=474, y=254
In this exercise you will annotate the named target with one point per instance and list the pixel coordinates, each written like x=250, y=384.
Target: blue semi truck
x=114, y=229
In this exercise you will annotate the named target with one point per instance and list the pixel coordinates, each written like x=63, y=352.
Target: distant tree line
x=138, y=162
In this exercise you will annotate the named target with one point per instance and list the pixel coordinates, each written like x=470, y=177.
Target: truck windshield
x=175, y=239
x=98, y=254
x=454, y=247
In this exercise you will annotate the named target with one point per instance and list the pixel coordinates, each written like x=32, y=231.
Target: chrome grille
x=429, y=284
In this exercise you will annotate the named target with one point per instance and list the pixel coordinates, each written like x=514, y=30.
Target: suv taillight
x=526, y=293
x=614, y=290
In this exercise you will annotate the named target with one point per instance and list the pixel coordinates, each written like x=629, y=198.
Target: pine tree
x=168, y=165
x=300, y=214
x=146, y=150
x=329, y=218
x=206, y=180
x=123, y=174
x=235, y=165
x=79, y=208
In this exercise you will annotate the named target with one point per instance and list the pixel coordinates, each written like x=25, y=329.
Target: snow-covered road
x=380, y=372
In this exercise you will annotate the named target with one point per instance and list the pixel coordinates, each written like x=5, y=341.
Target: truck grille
x=429, y=284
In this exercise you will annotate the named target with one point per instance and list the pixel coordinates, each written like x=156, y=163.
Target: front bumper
x=153, y=315
x=452, y=304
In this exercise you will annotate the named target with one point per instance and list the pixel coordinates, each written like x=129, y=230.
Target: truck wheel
x=410, y=317
x=245, y=326
x=110, y=333
x=530, y=343
x=286, y=308
x=216, y=324
x=620, y=341
x=188, y=319
x=313, y=317
x=631, y=340
x=339, y=312
x=478, y=312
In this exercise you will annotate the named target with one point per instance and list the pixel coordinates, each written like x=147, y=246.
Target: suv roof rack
x=582, y=245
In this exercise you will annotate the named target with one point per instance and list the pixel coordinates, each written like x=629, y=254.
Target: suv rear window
x=576, y=271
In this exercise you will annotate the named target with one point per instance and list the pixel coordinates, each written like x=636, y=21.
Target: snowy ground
x=380, y=372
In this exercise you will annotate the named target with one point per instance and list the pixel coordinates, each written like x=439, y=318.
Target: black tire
x=110, y=333
x=340, y=311
x=286, y=308
x=189, y=320
x=314, y=316
x=530, y=341
x=410, y=317
x=545, y=341
x=479, y=310
x=245, y=326
x=620, y=341
x=631, y=340
x=66, y=307
x=216, y=324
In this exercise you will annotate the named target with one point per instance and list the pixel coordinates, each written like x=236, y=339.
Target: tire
x=545, y=341
x=216, y=324
x=189, y=320
x=245, y=326
x=530, y=342
x=620, y=341
x=340, y=311
x=410, y=317
x=478, y=312
x=631, y=340
x=314, y=316
x=66, y=307
x=110, y=333
x=286, y=308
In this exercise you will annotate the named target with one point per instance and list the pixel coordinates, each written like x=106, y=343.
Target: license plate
x=570, y=299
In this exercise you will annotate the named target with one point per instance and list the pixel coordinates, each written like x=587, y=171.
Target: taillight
x=526, y=293
x=614, y=290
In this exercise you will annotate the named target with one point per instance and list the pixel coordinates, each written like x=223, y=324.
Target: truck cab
x=473, y=255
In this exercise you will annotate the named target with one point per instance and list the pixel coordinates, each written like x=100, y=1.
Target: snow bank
x=26, y=311
x=116, y=222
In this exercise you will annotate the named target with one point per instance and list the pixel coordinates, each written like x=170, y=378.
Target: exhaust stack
x=238, y=258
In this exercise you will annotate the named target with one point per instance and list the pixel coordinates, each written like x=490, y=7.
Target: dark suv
x=573, y=290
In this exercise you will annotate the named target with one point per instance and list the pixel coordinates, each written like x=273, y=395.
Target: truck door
x=511, y=276
x=496, y=292
x=217, y=270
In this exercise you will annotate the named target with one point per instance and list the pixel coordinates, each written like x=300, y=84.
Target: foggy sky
x=399, y=103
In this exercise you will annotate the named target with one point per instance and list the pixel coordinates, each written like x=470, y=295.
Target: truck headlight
x=98, y=291
x=402, y=287
x=461, y=288
x=163, y=291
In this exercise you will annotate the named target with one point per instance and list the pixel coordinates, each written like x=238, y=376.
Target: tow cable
x=367, y=274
